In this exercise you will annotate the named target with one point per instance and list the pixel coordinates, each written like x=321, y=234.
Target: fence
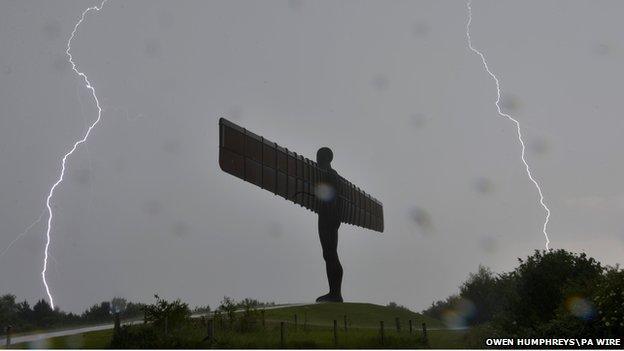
x=292, y=331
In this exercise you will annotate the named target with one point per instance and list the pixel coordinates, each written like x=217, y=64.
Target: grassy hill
x=363, y=330
x=360, y=315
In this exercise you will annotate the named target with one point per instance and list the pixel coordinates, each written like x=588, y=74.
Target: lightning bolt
x=502, y=114
x=59, y=180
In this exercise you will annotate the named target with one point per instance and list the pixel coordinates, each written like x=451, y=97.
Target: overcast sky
x=390, y=86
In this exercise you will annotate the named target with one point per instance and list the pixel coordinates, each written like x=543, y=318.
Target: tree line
x=552, y=293
x=22, y=317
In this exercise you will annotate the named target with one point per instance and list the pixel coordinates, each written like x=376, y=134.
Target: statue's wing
x=285, y=173
x=359, y=208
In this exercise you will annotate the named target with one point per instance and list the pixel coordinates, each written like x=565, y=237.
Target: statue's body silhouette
x=312, y=185
x=328, y=224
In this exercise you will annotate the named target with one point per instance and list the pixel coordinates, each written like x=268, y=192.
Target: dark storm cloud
x=391, y=86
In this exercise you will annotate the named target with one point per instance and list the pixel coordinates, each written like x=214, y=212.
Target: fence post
x=210, y=329
x=282, y=334
x=381, y=331
x=8, y=336
x=335, y=332
x=398, y=324
x=117, y=323
x=263, y=320
x=345, y=323
x=296, y=322
x=424, y=329
x=410, y=326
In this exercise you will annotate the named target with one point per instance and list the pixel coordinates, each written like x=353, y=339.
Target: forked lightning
x=71, y=151
x=502, y=114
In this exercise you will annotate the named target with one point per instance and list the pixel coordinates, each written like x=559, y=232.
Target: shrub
x=166, y=315
x=149, y=337
x=609, y=302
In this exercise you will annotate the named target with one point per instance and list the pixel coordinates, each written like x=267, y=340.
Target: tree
x=24, y=314
x=118, y=305
x=8, y=310
x=544, y=280
x=438, y=308
x=167, y=315
x=228, y=306
x=43, y=315
x=488, y=292
x=202, y=309
x=609, y=302
x=98, y=312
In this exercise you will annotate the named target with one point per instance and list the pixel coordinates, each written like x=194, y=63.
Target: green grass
x=357, y=338
x=91, y=340
x=358, y=314
x=362, y=331
x=317, y=337
x=447, y=339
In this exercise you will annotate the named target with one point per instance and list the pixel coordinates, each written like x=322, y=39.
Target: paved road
x=48, y=335
x=74, y=331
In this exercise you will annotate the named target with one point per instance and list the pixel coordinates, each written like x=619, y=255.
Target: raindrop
x=483, y=185
x=422, y=219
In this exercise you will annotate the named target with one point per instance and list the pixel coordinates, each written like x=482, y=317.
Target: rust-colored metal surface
x=262, y=162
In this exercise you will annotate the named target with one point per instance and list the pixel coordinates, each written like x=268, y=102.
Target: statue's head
x=324, y=156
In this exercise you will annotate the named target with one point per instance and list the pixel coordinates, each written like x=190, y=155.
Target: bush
x=555, y=293
x=166, y=315
x=543, y=282
x=395, y=305
x=228, y=306
x=609, y=302
x=475, y=337
x=488, y=293
x=438, y=308
x=149, y=337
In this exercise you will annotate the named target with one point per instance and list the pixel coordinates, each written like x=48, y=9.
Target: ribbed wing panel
x=262, y=162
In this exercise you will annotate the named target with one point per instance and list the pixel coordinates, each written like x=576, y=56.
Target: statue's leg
x=334, y=266
x=328, y=233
